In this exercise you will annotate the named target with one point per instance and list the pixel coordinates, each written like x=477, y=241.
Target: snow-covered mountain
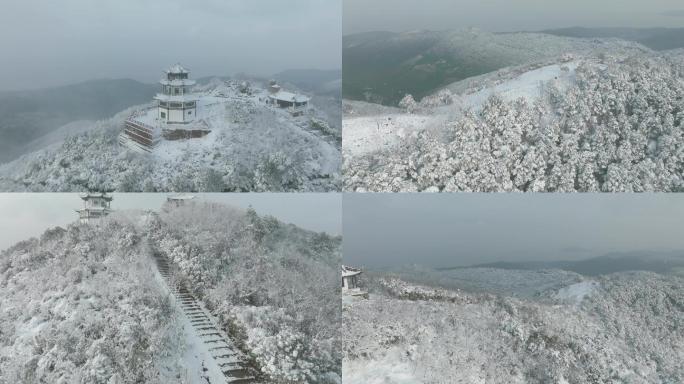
x=88, y=303
x=608, y=121
x=252, y=147
x=619, y=328
x=382, y=67
x=32, y=119
x=654, y=38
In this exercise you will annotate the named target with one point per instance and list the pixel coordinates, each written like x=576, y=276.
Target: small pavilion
x=95, y=207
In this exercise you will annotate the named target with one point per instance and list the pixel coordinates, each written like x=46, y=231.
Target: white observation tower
x=177, y=104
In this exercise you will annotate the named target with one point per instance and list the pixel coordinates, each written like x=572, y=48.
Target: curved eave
x=177, y=98
x=103, y=196
x=177, y=83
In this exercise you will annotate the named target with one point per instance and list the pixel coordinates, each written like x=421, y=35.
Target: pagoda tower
x=177, y=103
x=95, y=207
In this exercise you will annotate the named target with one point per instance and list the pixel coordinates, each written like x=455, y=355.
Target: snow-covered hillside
x=88, y=304
x=382, y=67
x=619, y=328
x=252, y=147
x=272, y=286
x=605, y=122
x=82, y=305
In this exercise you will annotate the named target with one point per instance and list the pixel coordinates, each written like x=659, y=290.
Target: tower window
x=163, y=115
x=189, y=112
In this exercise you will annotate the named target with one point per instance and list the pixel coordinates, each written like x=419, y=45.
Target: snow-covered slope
x=370, y=127
x=252, y=147
x=81, y=305
x=606, y=122
x=619, y=328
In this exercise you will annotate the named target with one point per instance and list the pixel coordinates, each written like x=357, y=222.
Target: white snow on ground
x=197, y=358
x=390, y=369
x=528, y=85
x=625, y=333
x=575, y=293
x=364, y=134
x=367, y=134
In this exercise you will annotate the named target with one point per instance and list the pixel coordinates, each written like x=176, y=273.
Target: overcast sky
x=508, y=15
x=443, y=230
x=26, y=215
x=46, y=43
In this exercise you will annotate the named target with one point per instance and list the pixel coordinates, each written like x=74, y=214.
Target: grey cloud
x=505, y=15
x=445, y=230
x=674, y=13
x=47, y=43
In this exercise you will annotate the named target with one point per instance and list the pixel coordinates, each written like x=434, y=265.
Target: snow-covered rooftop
x=290, y=97
x=94, y=209
x=90, y=195
x=178, y=98
x=177, y=82
x=177, y=68
x=181, y=196
x=350, y=271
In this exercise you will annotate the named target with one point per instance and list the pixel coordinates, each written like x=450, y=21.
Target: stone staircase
x=227, y=356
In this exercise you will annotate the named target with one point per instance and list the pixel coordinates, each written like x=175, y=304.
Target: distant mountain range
x=323, y=82
x=26, y=116
x=659, y=262
x=381, y=67
x=655, y=38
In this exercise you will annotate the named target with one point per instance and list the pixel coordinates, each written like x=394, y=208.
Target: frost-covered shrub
x=408, y=104
x=275, y=173
x=628, y=329
x=97, y=316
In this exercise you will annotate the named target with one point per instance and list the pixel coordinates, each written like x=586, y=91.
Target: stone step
x=240, y=380
x=230, y=364
x=222, y=350
x=225, y=355
x=220, y=347
x=237, y=373
x=209, y=334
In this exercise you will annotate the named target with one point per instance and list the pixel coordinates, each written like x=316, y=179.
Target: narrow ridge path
x=230, y=360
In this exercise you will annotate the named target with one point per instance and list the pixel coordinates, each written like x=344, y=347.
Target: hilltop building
x=283, y=99
x=350, y=281
x=177, y=104
x=95, y=206
x=179, y=199
x=182, y=112
x=175, y=116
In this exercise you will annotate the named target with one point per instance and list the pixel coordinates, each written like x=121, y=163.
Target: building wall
x=159, y=113
x=177, y=115
x=349, y=282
